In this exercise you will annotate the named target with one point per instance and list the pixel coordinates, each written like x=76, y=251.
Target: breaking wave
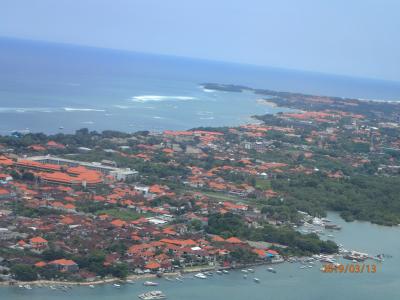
x=83, y=109
x=147, y=98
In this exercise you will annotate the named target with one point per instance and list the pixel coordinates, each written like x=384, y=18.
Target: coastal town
x=87, y=206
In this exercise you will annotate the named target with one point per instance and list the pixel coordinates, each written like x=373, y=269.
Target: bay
x=51, y=88
x=290, y=282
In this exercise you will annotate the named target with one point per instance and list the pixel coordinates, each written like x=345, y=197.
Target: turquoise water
x=47, y=86
x=290, y=282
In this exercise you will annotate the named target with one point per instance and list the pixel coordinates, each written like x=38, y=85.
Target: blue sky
x=349, y=37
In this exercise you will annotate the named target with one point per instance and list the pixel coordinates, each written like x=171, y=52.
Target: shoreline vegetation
x=130, y=277
x=228, y=195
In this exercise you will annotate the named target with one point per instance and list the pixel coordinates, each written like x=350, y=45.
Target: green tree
x=23, y=272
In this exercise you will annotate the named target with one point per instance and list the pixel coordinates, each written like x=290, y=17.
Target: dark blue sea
x=47, y=87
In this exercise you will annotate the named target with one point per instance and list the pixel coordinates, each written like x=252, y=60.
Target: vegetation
x=23, y=272
x=228, y=225
x=366, y=198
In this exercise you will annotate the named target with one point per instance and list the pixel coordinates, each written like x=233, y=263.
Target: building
x=117, y=173
x=64, y=265
x=38, y=243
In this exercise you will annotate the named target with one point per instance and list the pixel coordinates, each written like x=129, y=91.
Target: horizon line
x=129, y=51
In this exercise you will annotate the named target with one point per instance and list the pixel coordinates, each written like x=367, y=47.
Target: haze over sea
x=45, y=87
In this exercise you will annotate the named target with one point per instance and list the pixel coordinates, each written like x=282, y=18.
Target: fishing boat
x=153, y=295
x=256, y=280
x=150, y=283
x=201, y=276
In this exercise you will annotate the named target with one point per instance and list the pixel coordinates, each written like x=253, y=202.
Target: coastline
x=132, y=277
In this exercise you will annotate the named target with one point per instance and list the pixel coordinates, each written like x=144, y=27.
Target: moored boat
x=201, y=276
x=150, y=283
x=153, y=295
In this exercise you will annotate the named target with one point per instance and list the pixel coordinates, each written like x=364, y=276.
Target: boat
x=245, y=271
x=201, y=276
x=225, y=271
x=168, y=279
x=28, y=287
x=219, y=272
x=91, y=286
x=179, y=279
x=251, y=270
x=153, y=295
x=130, y=281
x=245, y=276
x=209, y=273
x=256, y=280
x=302, y=267
x=116, y=285
x=272, y=270
x=150, y=283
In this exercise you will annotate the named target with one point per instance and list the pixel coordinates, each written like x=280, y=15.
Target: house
x=4, y=194
x=64, y=265
x=38, y=243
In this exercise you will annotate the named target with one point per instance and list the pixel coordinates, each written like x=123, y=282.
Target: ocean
x=46, y=87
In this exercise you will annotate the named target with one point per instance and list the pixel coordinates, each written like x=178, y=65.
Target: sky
x=349, y=37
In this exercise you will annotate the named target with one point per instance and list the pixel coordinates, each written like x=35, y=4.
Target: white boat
x=153, y=295
x=250, y=270
x=28, y=287
x=116, y=285
x=225, y=271
x=150, y=283
x=272, y=270
x=52, y=287
x=91, y=286
x=130, y=281
x=179, y=279
x=256, y=280
x=201, y=276
x=245, y=276
x=245, y=271
x=219, y=272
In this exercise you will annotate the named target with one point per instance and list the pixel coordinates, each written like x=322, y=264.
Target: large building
x=72, y=172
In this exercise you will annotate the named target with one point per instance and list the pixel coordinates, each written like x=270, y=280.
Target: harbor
x=273, y=281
